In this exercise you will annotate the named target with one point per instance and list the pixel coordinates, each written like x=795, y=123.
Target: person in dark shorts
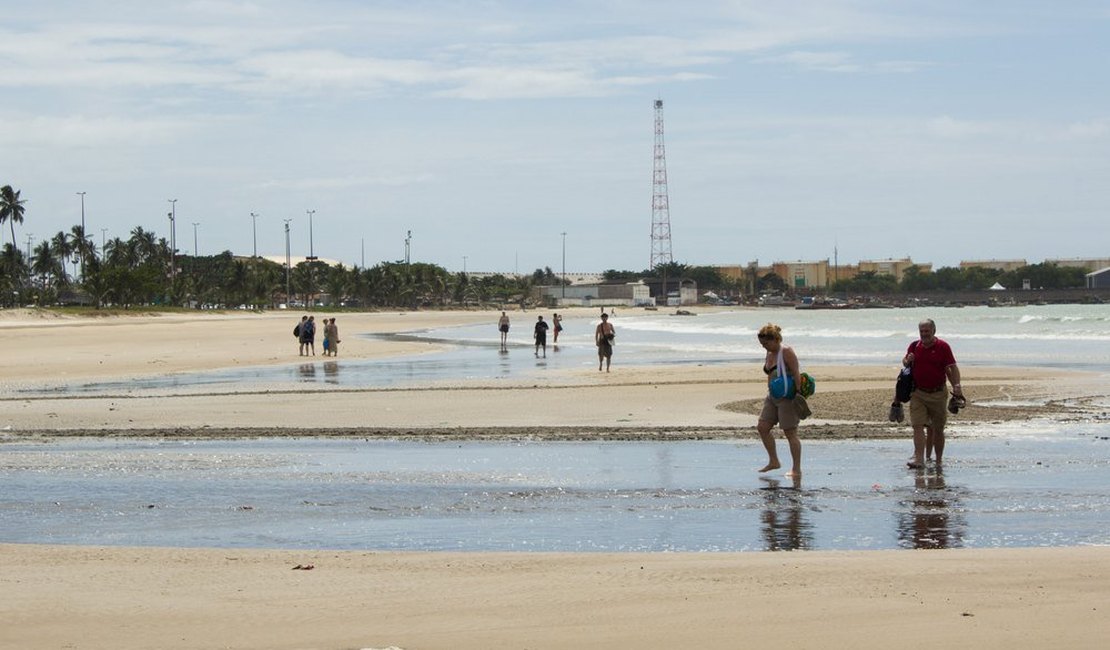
x=302, y=335
x=541, y=337
x=503, y=327
x=603, y=338
x=308, y=335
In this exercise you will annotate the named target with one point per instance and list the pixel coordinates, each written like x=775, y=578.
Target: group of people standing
x=603, y=336
x=933, y=367
x=930, y=360
x=305, y=331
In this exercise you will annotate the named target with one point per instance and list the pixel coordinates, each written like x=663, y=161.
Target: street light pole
x=173, y=240
x=103, y=235
x=254, y=232
x=287, y=263
x=195, y=224
x=311, y=251
x=82, y=245
x=564, y=265
x=311, y=260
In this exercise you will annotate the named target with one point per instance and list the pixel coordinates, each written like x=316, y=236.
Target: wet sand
x=187, y=598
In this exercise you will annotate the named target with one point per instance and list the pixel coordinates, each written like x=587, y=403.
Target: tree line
x=142, y=270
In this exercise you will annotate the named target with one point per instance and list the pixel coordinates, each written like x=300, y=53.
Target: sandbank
x=45, y=350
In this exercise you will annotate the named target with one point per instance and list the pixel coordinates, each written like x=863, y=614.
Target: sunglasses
x=765, y=337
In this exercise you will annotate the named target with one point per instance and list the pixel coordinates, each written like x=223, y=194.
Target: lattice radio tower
x=660, y=203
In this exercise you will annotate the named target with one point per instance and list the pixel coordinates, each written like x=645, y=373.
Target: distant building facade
x=803, y=275
x=603, y=294
x=1079, y=263
x=1099, y=279
x=896, y=268
x=997, y=265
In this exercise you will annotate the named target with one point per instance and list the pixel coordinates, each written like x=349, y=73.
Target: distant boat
x=809, y=302
x=774, y=300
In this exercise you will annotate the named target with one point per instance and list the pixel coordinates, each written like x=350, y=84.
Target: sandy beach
x=85, y=597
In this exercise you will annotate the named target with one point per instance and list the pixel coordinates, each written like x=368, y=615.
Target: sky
x=794, y=130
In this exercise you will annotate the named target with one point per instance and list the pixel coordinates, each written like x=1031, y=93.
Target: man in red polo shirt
x=933, y=364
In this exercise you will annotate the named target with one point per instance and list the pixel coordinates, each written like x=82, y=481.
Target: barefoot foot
x=770, y=466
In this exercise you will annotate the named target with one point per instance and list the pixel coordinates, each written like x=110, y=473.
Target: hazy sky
x=941, y=130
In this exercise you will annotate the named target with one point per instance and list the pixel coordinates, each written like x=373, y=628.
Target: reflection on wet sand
x=307, y=371
x=331, y=372
x=785, y=526
x=932, y=518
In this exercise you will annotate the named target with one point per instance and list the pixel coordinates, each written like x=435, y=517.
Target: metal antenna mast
x=660, y=203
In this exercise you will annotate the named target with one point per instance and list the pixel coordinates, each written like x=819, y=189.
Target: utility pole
x=254, y=233
x=311, y=254
x=82, y=246
x=195, y=224
x=564, y=265
x=311, y=261
x=173, y=242
x=103, y=241
x=287, y=263
x=408, y=241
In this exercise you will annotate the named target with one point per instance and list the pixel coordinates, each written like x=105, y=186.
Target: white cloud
x=83, y=131
x=823, y=61
x=1090, y=130
x=344, y=182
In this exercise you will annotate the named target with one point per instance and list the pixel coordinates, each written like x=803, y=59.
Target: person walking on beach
x=557, y=323
x=603, y=339
x=503, y=327
x=541, y=337
x=933, y=365
x=331, y=334
x=783, y=373
x=301, y=332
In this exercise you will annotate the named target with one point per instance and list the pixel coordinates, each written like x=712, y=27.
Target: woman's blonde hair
x=772, y=330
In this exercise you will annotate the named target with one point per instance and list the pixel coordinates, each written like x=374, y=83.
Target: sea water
x=1049, y=336
x=1030, y=489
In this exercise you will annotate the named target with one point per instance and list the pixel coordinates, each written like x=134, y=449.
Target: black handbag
x=904, y=386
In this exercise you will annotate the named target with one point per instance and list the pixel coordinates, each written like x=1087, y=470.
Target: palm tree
x=11, y=207
x=14, y=271
x=118, y=253
x=146, y=244
x=46, y=262
x=63, y=249
x=97, y=282
x=336, y=283
x=82, y=245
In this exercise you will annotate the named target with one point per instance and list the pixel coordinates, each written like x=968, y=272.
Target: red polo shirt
x=929, y=363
